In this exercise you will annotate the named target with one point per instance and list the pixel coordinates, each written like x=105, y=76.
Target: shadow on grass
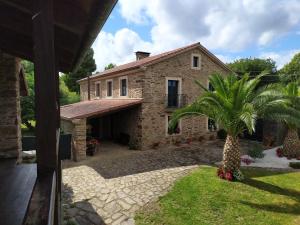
x=278, y=208
x=273, y=188
x=281, y=207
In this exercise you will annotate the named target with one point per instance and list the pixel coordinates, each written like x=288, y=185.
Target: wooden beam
x=74, y=19
x=46, y=107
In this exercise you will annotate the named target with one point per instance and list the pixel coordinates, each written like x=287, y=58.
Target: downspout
x=89, y=88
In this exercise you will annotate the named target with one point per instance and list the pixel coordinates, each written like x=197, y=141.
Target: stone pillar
x=10, y=110
x=79, y=139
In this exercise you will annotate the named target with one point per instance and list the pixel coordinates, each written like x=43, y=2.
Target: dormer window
x=196, y=61
x=97, y=89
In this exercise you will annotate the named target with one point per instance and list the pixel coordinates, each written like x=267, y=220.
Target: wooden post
x=46, y=107
x=46, y=97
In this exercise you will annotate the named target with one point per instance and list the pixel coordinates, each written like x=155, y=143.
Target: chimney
x=141, y=55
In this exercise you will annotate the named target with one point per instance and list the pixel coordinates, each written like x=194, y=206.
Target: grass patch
x=264, y=197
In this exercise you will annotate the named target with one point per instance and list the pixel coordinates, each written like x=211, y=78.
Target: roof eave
x=100, y=18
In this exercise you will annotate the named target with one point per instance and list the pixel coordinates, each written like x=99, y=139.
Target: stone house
x=133, y=102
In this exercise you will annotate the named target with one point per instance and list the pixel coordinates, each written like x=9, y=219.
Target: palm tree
x=236, y=104
x=291, y=144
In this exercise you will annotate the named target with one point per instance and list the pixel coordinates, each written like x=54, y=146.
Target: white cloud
x=220, y=24
x=227, y=25
x=118, y=48
x=281, y=58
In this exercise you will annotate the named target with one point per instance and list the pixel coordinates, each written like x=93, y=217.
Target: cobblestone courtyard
x=111, y=186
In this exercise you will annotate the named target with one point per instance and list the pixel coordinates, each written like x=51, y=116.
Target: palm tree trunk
x=231, y=154
x=291, y=144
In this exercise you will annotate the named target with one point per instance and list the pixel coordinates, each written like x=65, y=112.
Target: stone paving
x=92, y=199
x=111, y=186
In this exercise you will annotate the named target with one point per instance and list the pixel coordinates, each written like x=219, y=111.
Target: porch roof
x=76, y=25
x=92, y=108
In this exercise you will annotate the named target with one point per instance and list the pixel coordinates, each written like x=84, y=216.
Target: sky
x=231, y=29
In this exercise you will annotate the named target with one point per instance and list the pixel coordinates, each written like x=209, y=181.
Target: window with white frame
x=123, y=86
x=97, y=89
x=176, y=130
x=109, y=88
x=196, y=61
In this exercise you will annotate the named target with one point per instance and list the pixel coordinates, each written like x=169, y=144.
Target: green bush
x=222, y=134
x=295, y=165
x=256, y=152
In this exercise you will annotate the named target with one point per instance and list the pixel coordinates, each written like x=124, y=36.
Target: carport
x=117, y=120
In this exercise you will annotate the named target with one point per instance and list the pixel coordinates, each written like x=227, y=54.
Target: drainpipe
x=89, y=87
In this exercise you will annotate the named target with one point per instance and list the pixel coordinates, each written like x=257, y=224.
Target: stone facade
x=150, y=84
x=154, y=110
x=77, y=128
x=10, y=111
x=135, y=81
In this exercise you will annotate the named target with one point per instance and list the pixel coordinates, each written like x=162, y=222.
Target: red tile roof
x=157, y=58
x=91, y=108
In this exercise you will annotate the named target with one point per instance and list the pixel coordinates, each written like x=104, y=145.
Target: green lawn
x=263, y=198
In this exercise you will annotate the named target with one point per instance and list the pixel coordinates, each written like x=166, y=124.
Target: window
x=97, y=89
x=196, y=61
x=109, y=88
x=177, y=129
x=211, y=125
x=123, y=86
x=210, y=87
x=173, y=92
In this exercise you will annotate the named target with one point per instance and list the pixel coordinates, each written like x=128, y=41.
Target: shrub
x=256, y=152
x=238, y=175
x=222, y=134
x=230, y=176
x=201, y=138
x=212, y=137
x=279, y=152
x=295, y=165
x=247, y=161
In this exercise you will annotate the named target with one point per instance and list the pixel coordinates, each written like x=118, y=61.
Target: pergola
x=55, y=35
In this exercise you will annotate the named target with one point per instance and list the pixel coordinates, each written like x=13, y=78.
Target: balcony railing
x=175, y=101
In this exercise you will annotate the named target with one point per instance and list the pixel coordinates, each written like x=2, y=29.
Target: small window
x=210, y=87
x=196, y=61
x=97, y=89
x=123, y=86
x=109, y=86
x=211, y=124
x=177, y=128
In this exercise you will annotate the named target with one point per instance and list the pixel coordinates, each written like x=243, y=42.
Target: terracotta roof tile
x=156, y=58
x=91, y=108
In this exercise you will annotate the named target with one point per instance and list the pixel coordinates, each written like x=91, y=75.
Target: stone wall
x=77, y=128
x=154, y=122
x=10, y=111
x=135, y=81
x=129, y=121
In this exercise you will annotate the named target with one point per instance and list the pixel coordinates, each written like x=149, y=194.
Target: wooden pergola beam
x=67, y=22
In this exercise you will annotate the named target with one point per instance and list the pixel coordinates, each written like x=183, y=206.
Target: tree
x=27, y=102
x=235, y=104
x=87, y=67
x=291, y=144
x=110, y=66
x=255, y=66
x=291, y=71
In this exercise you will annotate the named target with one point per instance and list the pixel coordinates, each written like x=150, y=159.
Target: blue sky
x=231, y=29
